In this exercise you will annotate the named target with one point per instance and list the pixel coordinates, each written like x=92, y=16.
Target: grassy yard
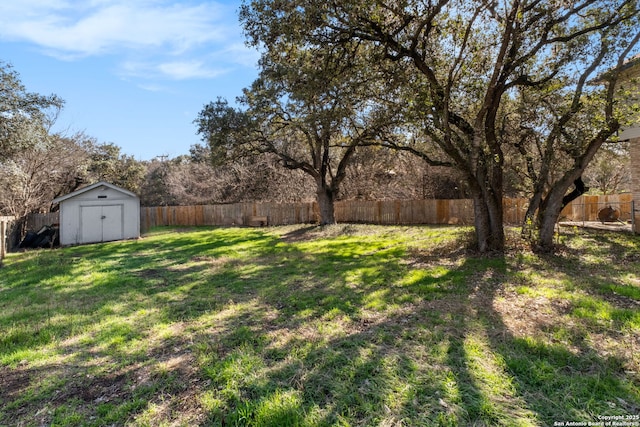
x=302, y=326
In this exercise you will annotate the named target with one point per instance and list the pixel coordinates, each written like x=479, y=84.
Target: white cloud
x=189, y=69
x=154, y=88
x=241, y=54
x=31, y=7
x=84, y=29
x=174, y=70
x=148, y=39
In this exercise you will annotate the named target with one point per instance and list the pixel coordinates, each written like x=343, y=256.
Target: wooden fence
x=406, y=212
x=430, y=211
x=390, y=212
x=36, y=221
x=586, y=208
x=230, y=214
x=372, y=212
x=4, y=229
x=393, y=212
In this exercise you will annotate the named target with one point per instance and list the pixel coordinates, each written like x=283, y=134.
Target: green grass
x=306, y=326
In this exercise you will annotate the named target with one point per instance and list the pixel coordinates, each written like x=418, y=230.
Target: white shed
x=100, y=212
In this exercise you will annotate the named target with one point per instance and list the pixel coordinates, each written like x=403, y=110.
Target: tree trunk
x=488, y=223
x=488, y=213
x=547, y=219
x=550, y=210
x=482, y=224
x=326, y=205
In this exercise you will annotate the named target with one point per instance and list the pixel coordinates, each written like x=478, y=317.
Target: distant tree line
x=37, y=165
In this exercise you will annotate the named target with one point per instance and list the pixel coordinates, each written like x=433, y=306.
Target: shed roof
x=91, y=187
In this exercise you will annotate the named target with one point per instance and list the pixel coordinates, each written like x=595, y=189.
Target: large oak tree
x=470, y=69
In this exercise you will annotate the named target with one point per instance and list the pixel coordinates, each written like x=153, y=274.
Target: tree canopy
x=25, y=117
x=483, y=82
x=312, y=108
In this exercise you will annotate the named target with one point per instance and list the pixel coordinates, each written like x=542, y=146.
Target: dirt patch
x=421, y=258
x=94, y=390
x=303, y=234
x=550, y=320
x=170, y=384
x=14, y=381
x=313, y=232
x=524, y=316
x=618, y=300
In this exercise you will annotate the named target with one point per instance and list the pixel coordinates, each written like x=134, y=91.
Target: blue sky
x=132, y=72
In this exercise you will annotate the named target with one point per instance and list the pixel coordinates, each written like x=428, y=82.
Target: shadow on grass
x=555, y=370
x=228, y=328
x=479, y=370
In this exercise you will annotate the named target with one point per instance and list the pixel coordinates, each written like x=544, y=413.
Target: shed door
x=101, y=223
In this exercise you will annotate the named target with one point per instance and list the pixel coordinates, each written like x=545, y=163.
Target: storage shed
x=101, y=212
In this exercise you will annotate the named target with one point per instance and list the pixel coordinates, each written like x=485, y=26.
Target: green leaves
x=224, y=128
x=24, y=116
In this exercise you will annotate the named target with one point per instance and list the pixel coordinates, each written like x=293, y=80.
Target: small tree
x=579, y=120
x=610, y=170
x=108, y=163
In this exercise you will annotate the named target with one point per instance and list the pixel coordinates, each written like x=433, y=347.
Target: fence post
x=3, y=239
